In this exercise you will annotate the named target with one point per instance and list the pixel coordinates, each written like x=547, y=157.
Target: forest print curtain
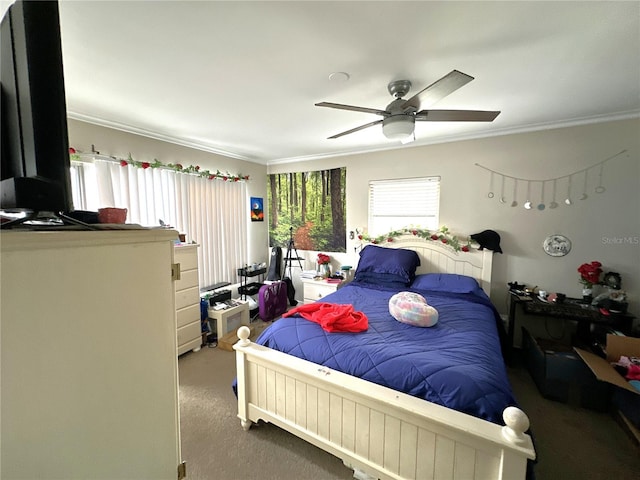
x=313, y=205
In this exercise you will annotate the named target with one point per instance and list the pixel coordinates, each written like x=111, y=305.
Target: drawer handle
x=175, y=271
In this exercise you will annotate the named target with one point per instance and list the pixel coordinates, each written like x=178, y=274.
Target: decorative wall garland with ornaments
x=561, y=190
x=178, y=167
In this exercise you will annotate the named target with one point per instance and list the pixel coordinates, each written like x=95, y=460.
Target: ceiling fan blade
x=361, y=127
x=456, y=115
x=351, y=107
x=438, y=89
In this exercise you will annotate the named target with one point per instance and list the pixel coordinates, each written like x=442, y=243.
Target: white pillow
x=412, y=308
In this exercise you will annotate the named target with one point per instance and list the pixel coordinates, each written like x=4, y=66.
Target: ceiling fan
x=399, y=117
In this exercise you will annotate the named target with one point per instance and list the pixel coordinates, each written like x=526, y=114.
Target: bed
x=395, y=400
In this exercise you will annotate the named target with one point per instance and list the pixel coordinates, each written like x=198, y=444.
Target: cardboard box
x=616, y=346
x=628, y=405
x=560, y=374
x=626, y=399
x=632, y=430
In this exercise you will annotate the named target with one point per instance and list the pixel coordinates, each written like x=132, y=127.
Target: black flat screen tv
x=35, y=165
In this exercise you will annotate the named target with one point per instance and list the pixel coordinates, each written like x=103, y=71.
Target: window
x=399, y=203
x=208, y=211
x=84, y=186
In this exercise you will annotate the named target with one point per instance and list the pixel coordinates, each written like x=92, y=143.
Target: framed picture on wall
x=257, y=209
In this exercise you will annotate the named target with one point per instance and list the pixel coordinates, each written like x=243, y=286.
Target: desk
x=570, y=309
x=222, y=317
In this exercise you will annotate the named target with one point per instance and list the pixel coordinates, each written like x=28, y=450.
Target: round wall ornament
x=556, y=245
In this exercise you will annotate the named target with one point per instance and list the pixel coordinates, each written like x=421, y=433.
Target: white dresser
x=187, y=298
x=89, y=370
x=314, y=290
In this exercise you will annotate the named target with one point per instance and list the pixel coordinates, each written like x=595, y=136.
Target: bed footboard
x=373, y=429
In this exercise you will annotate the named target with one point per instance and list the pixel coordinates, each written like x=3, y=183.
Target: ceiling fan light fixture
x=398, y=127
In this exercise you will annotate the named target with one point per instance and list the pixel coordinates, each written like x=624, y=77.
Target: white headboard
x=435, y=257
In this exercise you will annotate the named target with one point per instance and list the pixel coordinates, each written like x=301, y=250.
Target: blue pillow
x=397, y=262
x=445, y=282
x=388, y=280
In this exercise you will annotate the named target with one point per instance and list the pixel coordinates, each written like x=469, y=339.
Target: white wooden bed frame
x=377, y=431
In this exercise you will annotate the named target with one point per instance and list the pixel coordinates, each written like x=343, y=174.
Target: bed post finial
x=243, y=334
x=517, y=423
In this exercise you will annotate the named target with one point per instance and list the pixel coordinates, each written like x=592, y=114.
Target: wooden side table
x=222, y=317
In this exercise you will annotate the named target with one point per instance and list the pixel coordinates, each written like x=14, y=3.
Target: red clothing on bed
x=332, y=317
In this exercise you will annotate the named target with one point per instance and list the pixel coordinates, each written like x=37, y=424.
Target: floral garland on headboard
x=442, y=235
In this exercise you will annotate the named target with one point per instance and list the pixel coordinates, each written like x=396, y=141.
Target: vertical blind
x=210, y=212
x=399, y=203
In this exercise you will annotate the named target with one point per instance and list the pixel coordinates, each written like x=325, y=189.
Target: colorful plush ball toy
x=412, y=309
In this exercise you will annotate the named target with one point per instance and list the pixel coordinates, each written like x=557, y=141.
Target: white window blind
x=399, y=203
x=84, y=186
x=207, y=211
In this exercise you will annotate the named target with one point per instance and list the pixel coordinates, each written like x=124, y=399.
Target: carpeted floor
x=571, y=442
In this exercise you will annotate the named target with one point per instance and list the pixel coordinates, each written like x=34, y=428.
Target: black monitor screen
x=35, y=146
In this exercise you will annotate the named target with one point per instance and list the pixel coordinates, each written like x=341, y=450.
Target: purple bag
x=272, y=300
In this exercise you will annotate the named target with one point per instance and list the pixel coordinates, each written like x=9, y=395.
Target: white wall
x=119, y=144
x=604, y=227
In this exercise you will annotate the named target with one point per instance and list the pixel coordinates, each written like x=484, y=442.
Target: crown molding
x=306, y=158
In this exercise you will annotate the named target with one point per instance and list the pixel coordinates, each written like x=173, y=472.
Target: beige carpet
x=215, y=446
x=572, y=442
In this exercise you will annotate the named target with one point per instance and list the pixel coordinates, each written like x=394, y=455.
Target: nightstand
x=314, y=290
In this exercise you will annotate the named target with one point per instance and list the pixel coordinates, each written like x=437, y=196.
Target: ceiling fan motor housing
x=399, y=88
x=397, y=107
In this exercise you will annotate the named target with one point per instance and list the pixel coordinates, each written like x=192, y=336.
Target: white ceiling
x=241, y=78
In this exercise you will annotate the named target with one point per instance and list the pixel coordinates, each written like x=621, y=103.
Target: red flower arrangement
x=323, y=258
x=590, y=274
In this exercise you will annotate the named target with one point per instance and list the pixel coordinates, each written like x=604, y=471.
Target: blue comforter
x=457, y=363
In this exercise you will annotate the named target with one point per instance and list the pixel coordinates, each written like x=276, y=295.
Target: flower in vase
x=323, y=259
x=590, y=274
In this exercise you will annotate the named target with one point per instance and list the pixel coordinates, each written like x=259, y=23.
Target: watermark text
x=629, y=240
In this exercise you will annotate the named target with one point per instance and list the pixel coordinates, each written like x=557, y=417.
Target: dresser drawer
x=188, y=279
x=185, y=298
x=187, y=257
x=189, y=332
x=187, y=315
x=313, y=292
